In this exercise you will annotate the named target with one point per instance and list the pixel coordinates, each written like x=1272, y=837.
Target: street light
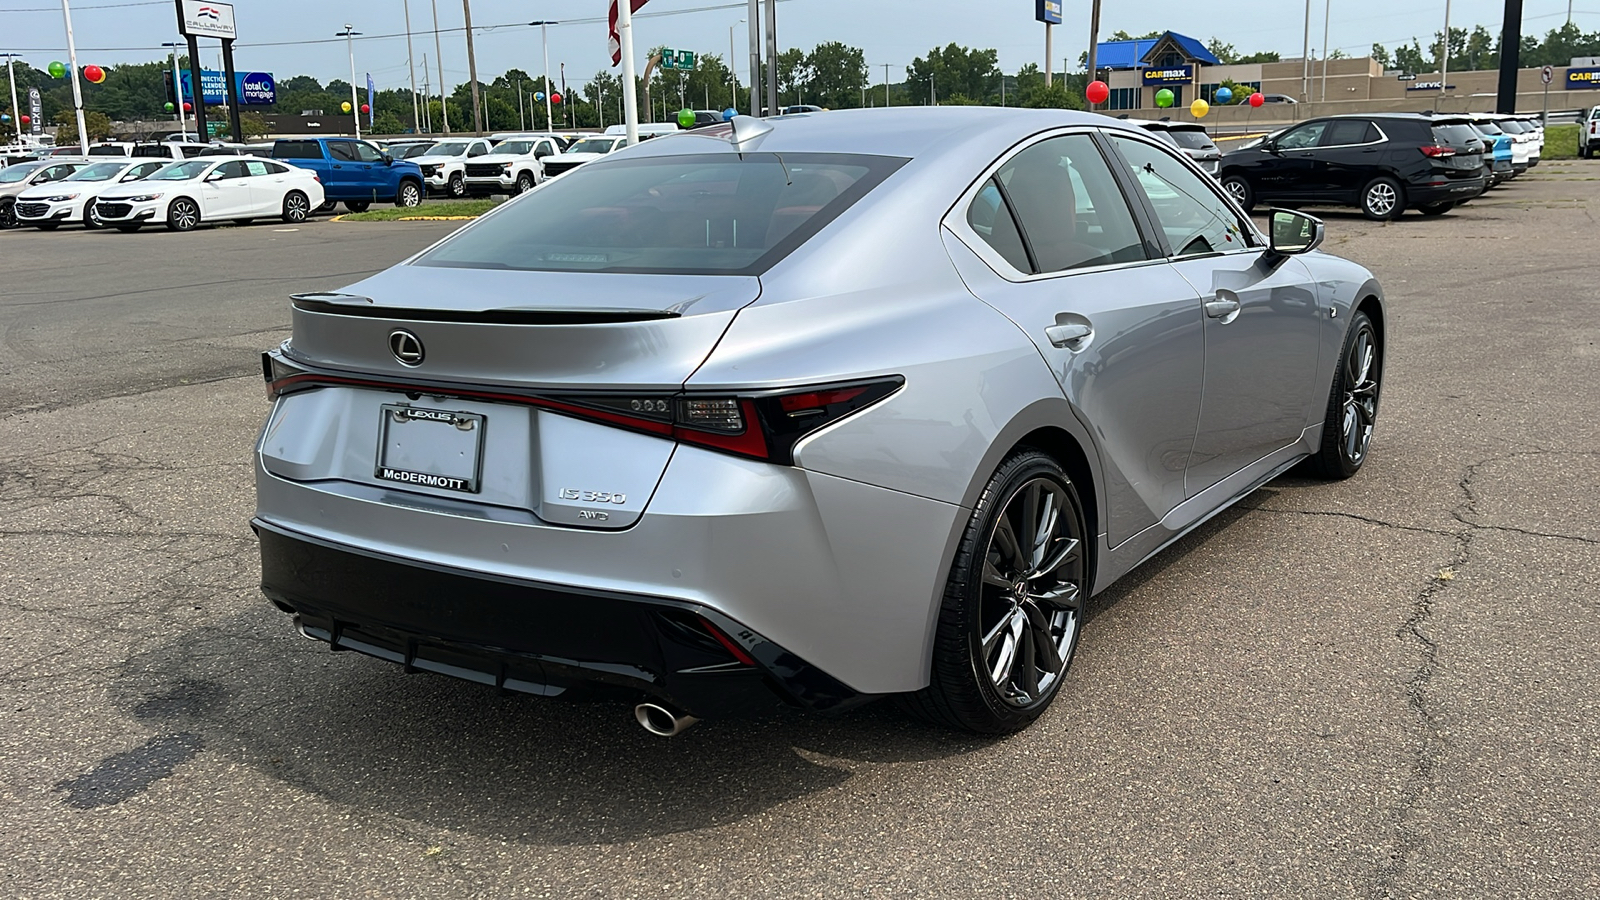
x=544, y=35
x=733, y=68
x=355, y=108
x=177, y=88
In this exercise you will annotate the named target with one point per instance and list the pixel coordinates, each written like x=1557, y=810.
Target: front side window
x=367, y=153
x=478, y=149
x=57, y=173
x=514, y=148
x=720, y=213
x=342, y=151
x=1195, y=218
x=1068, y=207
x=142, y=170
x=1303, y=138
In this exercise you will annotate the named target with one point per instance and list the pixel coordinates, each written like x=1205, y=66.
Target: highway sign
x=677, y=59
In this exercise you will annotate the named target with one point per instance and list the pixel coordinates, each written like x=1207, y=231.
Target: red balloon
x=1098, y=91
x=365, y=108
x=94, y=74
x=1256, y=99
x=187, y=106
x=26, y=119
x=555, y=98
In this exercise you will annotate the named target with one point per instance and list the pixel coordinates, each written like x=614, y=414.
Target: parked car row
x=1383, y=163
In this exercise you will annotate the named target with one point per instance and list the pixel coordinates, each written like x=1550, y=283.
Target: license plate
x=432, y=448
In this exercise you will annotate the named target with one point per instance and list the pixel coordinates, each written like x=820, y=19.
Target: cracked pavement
x=1385, y=687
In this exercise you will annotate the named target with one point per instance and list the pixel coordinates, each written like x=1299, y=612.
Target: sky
x=294, y=37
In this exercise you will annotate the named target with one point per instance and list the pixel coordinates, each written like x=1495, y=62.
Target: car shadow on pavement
x=449, y=754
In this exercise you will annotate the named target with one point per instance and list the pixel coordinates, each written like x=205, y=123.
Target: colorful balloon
x=555, y=98
x=729, y=113
x=56, y=70
x=539, y=96
x=187, y=106
x=685, y=118
x=1224, y=95
x=168, y=106
x=1256, y=99
x=94, y=74
x=365, y=109
x=5, y=117
x=1199, y=108
x=1164, y=98
x=345, y=106
x=1097, y=92
x=26, y=119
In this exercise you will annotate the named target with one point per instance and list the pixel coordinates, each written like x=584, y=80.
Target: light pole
x=11, y=79
x=1444, y=56
x=77, y=89
x=177, y=88
x=1327, y=11
x=754, y=16
x=1305, y=60
x=472, y=70
x=355, y=107
x=733, y=67
x=438, y=60
x=886, y=102
x=411, y=67
x=544, y=36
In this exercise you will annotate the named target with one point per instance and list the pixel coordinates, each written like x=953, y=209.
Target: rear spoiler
x=333, y=303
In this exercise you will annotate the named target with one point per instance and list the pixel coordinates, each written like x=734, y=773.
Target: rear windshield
x=108, y=150
x=1191, y=140
x=297, y=150
x=1513, y=127
x=1455, y=135
x=696, y=214
x=1488, y=127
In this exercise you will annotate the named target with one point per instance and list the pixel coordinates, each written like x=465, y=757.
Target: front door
x=1261, y=318
x=346, y=173
x=1056, y=249
x=1293, y=169
x=373, y=171
x=225, y=192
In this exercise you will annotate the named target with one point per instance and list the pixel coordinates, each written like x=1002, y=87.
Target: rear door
x=344, y=173
x=1350, y=153
x=1059, y=252
x=1260, y=318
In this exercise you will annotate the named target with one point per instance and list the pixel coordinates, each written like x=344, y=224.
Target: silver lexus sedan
x=809, y=410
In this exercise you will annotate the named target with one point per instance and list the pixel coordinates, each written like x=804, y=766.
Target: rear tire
x=1011, y=614
x=327, y=206
x=1352, y=404
x=1239, y=189
x=1382, y=199
x=296, y=208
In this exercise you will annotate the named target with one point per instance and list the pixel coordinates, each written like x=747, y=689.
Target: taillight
x=1437, y=152
x=762, y=425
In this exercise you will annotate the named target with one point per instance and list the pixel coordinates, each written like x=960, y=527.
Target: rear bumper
x=1454, y=189
x=533, y=638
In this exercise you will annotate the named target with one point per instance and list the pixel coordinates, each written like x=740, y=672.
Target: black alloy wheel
x=1239, y=189
x=1352, y=403
x=296, y=207
x=357, y=205
x=1382, y=199
x=183, y=215
x=524, y=182
x=91, y=216
x=8, y=215
x=458, y=186
x=1013, y=605
x=410, y=195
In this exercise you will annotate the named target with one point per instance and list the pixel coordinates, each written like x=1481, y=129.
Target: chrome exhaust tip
x=657, y=719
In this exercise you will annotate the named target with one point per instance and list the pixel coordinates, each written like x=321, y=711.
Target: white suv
x=515, y=165
x=444, y=165
x=1589, y=134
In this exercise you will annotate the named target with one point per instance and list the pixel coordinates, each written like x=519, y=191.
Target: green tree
x=1381, y=54
x=1410, y=59
x=838, y=75
x=794, y=74
x=954, y=72
x=97, y=124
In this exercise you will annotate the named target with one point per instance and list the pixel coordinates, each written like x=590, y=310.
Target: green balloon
x=685, y=118
x=1164, y=98
x=168, y=106
x=56, y=70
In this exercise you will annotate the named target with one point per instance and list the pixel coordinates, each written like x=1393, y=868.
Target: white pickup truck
x=1589, y=134
x=512, y=166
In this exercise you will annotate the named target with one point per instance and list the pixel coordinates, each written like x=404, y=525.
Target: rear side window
x=720, y=213
x=990, y=217
x=297, y=150
x=1068, y=206
x=1191, y=140
x=1348, y=131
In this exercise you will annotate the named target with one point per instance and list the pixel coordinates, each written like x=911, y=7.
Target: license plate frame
x=464, y=478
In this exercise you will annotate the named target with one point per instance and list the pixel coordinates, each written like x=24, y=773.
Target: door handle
x=1069, y=336
x=1221, y=308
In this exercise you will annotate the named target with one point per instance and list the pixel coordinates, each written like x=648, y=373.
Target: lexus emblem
x=406, y=347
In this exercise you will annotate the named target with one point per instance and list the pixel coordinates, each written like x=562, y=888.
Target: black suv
x=1379, y=163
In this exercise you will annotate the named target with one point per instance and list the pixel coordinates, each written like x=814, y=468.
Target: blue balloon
x=729, y=113
x=539, y=96
x=5, y=117
x=1224, y=95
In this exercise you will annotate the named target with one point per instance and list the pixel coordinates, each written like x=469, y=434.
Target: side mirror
x=1294, y=233
x=388, y=158
x=216, y=175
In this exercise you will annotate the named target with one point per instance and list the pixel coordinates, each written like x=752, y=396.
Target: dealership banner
x=1047, y=11
x=205, y=18
x=1583, y=79
x=254, y=88
x=1171, y=75
x=35, y=111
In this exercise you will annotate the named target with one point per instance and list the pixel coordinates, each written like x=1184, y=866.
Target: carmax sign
x=1583, y=79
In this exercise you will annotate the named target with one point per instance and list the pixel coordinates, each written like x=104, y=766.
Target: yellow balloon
x=345, y=106
x=1199, y=108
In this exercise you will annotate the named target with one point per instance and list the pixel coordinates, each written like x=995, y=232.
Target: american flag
x=614, y=41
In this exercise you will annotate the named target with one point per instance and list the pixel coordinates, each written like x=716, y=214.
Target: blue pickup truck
x=353, y=171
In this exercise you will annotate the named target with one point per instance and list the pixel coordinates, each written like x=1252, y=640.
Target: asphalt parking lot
x=1386, y=687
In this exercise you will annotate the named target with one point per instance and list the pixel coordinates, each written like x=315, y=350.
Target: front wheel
x=1013, y=604
x=8, y=216
x=1239, y=189
x=524, y=182
x=458, y=186
x=410, y=195
x=1382, y=199
x=183, y=215
x=296, y=207
x=91, y=216
x=1352, y=403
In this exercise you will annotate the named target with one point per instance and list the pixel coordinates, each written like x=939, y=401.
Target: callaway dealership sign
x=205, y=18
